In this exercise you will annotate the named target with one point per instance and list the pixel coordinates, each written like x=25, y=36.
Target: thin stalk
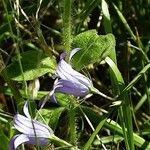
x=144, y=76
x=91, y=139
x=67, y=47
x=61, y=142
x=67, y=26
x=88, y=144
x=10, y=83
x=42, y=41
x=96, y=91
x=141, y=102
x=125, y=22
x=107, y=27
x=72, y=122
x=18, y=43
x=118, y=85
x=135, y=38
x=125, y=113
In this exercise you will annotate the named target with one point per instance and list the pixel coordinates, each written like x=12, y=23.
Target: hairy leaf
x=51, y=116
x=94, y=48
x=34, y=65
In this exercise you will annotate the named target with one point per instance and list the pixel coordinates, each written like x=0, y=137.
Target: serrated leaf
x=51, y=116
x=34, y=64
x=94, y=48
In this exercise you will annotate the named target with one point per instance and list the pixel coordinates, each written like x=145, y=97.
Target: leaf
x=51, y=116
x=106, y=17
x=94, y=48
x=4, y=141
x=34, y=65
x=114, y=127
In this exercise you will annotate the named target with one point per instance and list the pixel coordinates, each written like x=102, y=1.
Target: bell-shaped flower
x=70, y=81
x=31, y=131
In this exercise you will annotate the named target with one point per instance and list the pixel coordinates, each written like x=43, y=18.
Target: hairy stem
x=67, y=26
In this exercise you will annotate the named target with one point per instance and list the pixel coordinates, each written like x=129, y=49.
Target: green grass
x=51, y=27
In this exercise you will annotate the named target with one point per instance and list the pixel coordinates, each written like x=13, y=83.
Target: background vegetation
x=32, y=36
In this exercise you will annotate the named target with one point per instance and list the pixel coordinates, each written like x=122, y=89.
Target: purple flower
x=69, y=81
x=32, y=131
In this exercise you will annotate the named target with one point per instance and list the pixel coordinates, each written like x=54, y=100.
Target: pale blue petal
x=72, y=88
x=62, y=56
x=53, y=98
x=73, y=52
x=66, y=72
x=25, y=126
x=38, y=141
x=23, y=138
x=17, y=140
x=26, y=110
x=11, y=143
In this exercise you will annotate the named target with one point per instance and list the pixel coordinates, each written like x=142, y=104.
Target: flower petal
x=73, y=52
x=38, y=141
x=65, y=71
x=22, y=138
x=17, y=140
x=62, y=56
x=72, y=88
x=44, y=99
x=26, y=110
x=31, y=127
x=53, y=98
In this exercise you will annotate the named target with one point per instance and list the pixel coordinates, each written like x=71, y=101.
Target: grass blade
x=125, y=113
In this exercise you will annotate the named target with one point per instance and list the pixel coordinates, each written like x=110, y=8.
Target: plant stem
x=72, y=126
x=61, y=142
x=118, y=84
x=125, y=113
x=96, y=91
x=107, y=26
x=15, y=91
x=67, y=47
x=67, y=26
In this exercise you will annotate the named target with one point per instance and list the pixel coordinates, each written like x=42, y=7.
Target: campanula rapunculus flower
x=70, y=81
x=31, y=131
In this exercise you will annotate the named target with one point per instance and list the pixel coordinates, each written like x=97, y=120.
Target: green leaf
x=106, y=17
x=94, y=48
x=34, y=65
x=51, y=116
x=114, y=127
x=4, y=141
x=91, y=139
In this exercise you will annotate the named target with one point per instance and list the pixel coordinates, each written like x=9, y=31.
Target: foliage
x=114, y=54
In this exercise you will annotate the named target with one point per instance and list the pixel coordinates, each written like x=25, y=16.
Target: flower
x=69, y=81
x=32, y=131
